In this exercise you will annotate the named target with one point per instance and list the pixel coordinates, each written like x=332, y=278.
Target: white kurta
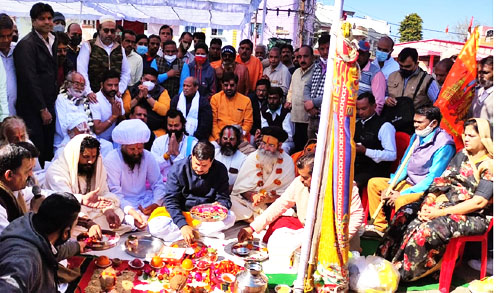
x=278, y=180
x=130, y=186
x=102, y=111
x=160, y=147
x=232, y=163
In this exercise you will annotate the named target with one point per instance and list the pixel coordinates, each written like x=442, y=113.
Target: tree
x=411, y=28
x=461, y=29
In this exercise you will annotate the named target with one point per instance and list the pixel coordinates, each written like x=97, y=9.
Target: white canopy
x=221, y=14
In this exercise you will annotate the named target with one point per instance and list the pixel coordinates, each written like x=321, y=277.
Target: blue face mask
x=141, y=50
x=381, y=56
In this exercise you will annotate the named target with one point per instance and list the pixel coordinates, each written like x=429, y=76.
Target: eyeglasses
x=109, y=30
x=76, y=83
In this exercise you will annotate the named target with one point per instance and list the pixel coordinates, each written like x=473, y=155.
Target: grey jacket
x=27, y=263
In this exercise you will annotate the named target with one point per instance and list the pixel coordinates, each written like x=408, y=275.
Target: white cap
x=131, y=131
x=106, y=18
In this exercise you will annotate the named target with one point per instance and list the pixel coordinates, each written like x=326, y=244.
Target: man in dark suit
x=35, y=59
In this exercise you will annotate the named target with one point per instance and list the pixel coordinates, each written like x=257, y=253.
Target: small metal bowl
x=242, y=251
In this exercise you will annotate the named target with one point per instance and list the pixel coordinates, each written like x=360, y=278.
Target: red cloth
x=283, y=222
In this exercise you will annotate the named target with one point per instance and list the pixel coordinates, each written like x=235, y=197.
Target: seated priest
x=277, y=216
x=263, y=177
x=79, y=170
x=226, y=152
x=133, y=173
x=197, y=179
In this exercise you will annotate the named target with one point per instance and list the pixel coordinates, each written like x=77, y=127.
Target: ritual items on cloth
x=209, y=212
x=250, y=250
x=108, y=240
x=161, y=274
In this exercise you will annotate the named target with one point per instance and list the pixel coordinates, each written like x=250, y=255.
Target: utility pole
x=301, y=21
x=263, y=25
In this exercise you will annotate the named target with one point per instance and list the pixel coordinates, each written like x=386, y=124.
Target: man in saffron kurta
x=230, y=107
x=251, y=62
x=263, y=177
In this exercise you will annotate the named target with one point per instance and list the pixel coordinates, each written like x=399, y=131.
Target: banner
x=334, y=236
x=458, y=90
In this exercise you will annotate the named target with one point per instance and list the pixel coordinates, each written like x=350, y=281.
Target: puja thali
x=196, y=250
x=144, y=246
x=248, y=250
x=108, y=240
x=209, y=212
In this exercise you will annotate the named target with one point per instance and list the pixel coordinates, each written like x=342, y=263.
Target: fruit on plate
x=102, y=260
x=137, y=262
x=156, y=261
x=187, y=264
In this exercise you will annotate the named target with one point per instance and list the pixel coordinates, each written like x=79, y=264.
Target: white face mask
x=426, y=131
x=170, y=58
x=149, y=84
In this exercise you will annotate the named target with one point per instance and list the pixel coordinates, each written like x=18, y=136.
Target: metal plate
x=192, y=251
x=149, y=246
x=109, y=240
x=256, y=252
x=209, y=212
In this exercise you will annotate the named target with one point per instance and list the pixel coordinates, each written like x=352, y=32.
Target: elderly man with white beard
x=129, y=167
x=264, y=176
x=226, y=152
x=73, y=115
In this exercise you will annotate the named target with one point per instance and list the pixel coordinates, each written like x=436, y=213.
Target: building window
x=217, y=32
x=89, y=23
x=190, y=29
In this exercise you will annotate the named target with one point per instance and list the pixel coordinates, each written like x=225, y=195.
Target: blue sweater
x=185, y=189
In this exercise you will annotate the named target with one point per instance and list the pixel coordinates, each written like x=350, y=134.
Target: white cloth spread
x=192, y=116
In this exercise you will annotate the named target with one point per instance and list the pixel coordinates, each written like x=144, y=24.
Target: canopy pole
x=81, y=11
x=263, y=25
x=319, y=157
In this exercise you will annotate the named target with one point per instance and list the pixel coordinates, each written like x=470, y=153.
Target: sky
x=436, y=14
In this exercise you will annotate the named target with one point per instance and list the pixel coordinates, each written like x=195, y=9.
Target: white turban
x=106, y=18
x=131, y=131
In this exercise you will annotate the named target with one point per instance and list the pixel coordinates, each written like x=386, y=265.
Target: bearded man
x=228, y=154
x=264, y=176
x=175, y=145
x=80, y=171
x=129, y=167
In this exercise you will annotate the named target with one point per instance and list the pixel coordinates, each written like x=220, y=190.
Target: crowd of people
x=129, y=132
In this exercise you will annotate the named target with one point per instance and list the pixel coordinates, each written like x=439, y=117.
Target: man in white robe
x=133, y=173
x=264, y=176
x=80, y=170
x=226, y=152
x=175, y=145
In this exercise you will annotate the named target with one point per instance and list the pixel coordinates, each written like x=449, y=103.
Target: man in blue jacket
x=198, y=179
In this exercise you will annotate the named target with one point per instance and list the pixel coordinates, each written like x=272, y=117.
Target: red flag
x=446, y=30
x=457, y=92
x=469, y=29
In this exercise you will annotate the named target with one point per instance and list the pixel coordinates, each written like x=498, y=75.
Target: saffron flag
x=457, y=92
x=334, y=234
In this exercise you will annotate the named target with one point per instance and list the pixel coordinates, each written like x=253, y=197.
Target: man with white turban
x=130, y=167
x=80, y=171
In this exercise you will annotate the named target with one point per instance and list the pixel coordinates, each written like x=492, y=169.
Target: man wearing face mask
x=175, y=145
x=33, y=244
x=101, y=54
x=482, y=104
x=428, y=160
x=184, y=44
x=141, y=45
x=171, y=70
x=411, y=81
x=75, y=38
x=64, y=65
x=201, y=70
x=383, y=59
x=371, y=79
x=153, y=96
x=59, y=22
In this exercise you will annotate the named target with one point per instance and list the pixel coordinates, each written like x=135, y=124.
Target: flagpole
x=319, y=157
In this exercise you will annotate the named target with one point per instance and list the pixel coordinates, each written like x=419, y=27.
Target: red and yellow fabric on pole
x=334, y=234
x=457, y=92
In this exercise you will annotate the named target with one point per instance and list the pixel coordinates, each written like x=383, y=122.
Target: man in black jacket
x=35, y=59
x=198, y=179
